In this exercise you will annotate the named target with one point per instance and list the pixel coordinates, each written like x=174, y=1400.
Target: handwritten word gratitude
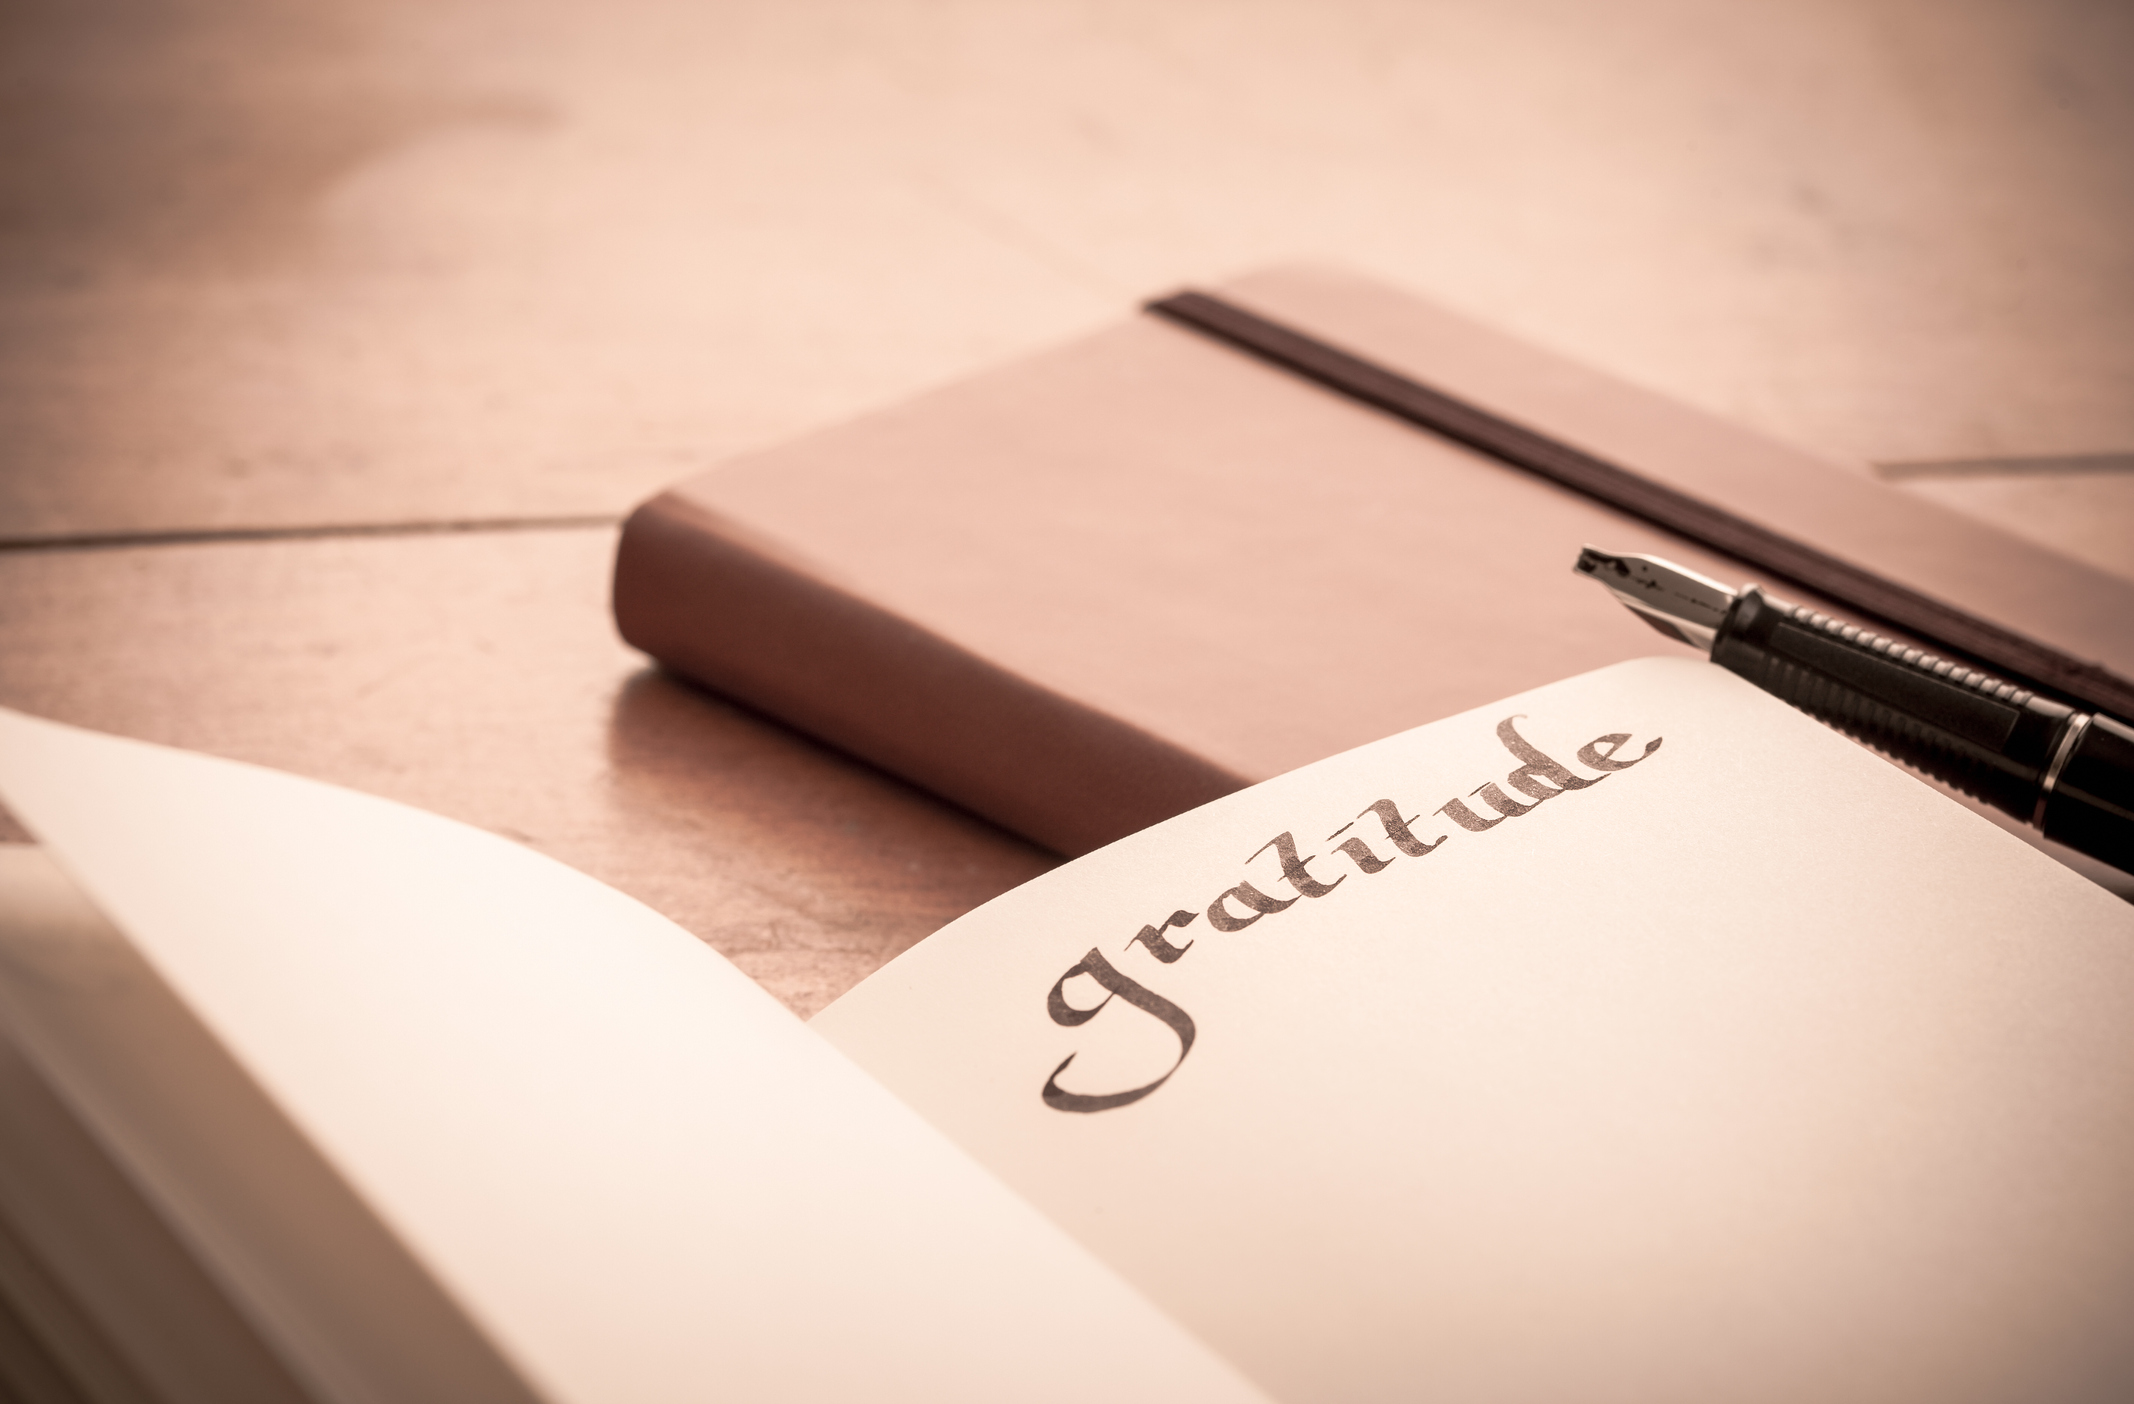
x=1538, y=779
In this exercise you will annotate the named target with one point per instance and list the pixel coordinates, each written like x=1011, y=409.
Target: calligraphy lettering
x=1293, y=870
x=1152, y=937
x=1592, y=754
x=1359, y=851
x=1458, y=812
x=1133, y=992
x=1538, y=777
x=1397, y=828
x=1503, y=803
x=1260, y=903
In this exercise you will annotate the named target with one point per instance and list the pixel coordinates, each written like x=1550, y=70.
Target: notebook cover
x=1099, y=586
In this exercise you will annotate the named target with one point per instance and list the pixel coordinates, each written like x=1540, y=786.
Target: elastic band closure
x=1950, y=629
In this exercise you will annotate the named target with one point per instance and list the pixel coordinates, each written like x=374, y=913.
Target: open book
x=1634, y=1038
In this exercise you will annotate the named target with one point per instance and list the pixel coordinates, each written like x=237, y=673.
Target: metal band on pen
x=2076, y=725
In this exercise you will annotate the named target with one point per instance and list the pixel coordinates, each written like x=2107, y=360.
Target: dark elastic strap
x=1947, y=627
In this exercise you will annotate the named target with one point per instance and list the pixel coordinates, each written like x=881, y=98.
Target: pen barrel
x=1975, y=732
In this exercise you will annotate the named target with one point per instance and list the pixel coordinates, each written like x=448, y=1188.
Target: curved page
x=1633, y=1039
x=638, y=1174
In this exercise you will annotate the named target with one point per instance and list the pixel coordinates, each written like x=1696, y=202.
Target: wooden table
x=335, y=338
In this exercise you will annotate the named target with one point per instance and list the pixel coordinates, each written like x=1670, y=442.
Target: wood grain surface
x=279, y=267
x=478, y=676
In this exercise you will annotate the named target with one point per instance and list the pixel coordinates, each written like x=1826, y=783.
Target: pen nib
x=1679, y=603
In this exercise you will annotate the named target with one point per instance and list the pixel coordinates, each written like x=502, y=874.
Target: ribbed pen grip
x=1986, y=737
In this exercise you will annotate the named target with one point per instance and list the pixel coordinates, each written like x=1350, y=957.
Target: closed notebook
x=1096, y=587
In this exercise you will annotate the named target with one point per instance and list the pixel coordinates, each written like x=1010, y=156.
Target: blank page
x=641, y=1176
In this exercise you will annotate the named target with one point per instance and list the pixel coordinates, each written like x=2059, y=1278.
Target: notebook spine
x=762, y=626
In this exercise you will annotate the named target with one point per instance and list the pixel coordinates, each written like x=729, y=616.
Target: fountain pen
x=2068, y=773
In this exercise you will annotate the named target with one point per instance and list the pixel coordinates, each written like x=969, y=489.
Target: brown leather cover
x=1104, y=584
